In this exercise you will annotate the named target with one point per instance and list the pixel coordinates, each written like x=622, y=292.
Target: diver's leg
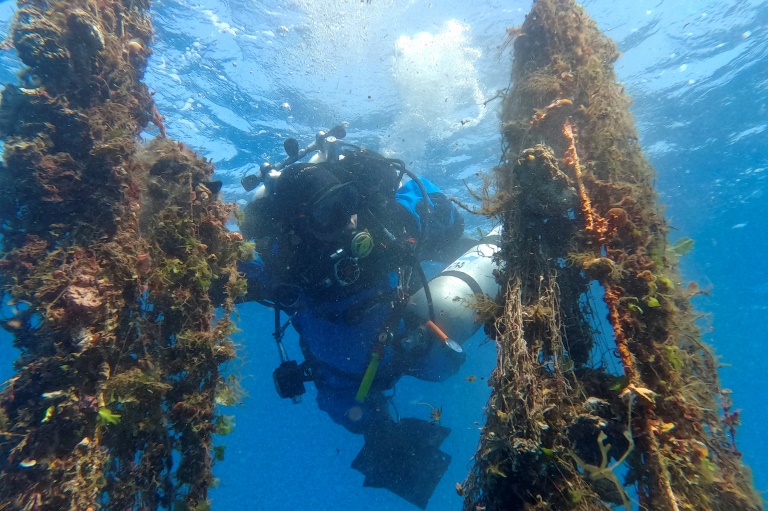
x=337, y=392
x=340, y=404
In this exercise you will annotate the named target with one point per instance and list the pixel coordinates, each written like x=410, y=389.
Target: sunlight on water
x=433, y=73
x=439, y=88
x=350, y=32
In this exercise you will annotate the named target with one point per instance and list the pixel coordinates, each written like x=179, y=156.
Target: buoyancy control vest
x=300, y=220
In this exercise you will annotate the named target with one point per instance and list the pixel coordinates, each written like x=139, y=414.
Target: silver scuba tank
x=452, y=289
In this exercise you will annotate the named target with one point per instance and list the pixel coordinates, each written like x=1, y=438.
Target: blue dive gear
x=345, y=309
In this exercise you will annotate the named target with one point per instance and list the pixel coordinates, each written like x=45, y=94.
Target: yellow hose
x=370, y=374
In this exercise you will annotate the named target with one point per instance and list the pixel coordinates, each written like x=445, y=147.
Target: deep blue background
x=235, y=77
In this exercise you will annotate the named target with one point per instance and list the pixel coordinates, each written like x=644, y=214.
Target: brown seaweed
x=109, y=252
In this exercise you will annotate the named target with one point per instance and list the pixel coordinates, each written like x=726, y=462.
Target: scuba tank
x=451, y=292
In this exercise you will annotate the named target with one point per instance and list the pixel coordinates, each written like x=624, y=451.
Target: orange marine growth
x=612, y=296
x=595, y=225
x=540, y=115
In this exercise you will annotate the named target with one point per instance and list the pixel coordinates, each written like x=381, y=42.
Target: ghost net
x=585, y=413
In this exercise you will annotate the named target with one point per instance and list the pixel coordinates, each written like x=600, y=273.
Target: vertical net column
x=109, y=251
x=580, y=418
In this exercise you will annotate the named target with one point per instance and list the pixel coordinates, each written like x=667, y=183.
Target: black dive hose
x=424, y=223
x=278, y=334
x=404, y=170
x=422, y=232
x=427, y=292
x=414, y=261
x=428, y=212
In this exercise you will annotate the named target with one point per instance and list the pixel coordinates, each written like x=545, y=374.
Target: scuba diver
x=340, y=235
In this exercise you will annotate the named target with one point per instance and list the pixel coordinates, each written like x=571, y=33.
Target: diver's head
x=315, y=200
x=333, y=212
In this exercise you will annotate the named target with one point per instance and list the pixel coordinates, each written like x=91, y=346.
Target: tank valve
x=444, y=338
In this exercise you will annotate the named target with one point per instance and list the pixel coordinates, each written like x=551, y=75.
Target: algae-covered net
x=634, y=416
x=109, y=251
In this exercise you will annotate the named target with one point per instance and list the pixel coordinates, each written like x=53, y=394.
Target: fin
x=213, y=186
x=404, y=458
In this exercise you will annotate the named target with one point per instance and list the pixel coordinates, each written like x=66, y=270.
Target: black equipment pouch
x=289, y=379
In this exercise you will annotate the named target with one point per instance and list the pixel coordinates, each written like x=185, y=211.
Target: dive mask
x=330, y=213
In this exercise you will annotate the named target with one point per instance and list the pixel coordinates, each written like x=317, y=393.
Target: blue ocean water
x=234, y=78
